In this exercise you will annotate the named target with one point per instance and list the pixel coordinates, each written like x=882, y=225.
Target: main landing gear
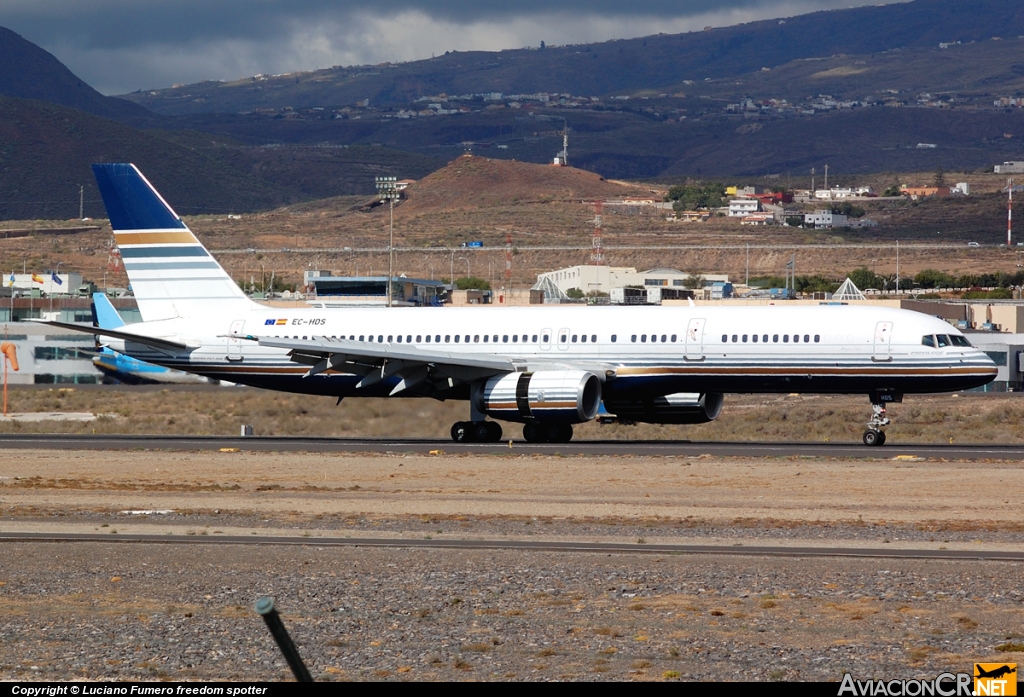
x=476, y=432
x=547, y=433
x=875, y=435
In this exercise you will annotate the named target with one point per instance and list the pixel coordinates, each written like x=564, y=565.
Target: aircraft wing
x=413, y=364
x=377, y=362
x=160, y=344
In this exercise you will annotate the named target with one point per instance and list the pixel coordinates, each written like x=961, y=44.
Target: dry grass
x=969, y=418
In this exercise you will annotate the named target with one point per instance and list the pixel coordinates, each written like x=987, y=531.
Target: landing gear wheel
x=463, y=432
x=874, y=438
x=533, y=433
x=559, y=433
x=493, y=432
x=483, y=432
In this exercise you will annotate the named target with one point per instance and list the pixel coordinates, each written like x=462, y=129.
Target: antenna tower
x=597, y=256
x=508, y=261
x=113, y=256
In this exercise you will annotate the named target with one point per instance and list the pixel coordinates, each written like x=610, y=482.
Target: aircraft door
x=695, y=339
x=883, y=339
x=234, y=342
x=545, y=339
x=563, y=339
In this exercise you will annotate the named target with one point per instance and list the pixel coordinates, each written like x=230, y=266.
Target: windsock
x=9, y=350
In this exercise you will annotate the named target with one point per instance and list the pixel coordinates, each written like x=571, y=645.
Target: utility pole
x=387, y=189
x=1009, y=213
x=81, y=202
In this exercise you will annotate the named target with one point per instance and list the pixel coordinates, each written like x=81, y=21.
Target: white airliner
x=545, y=367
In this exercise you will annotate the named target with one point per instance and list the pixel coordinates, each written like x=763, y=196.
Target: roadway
x=666, y=448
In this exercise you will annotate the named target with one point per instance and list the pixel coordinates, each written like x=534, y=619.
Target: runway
x=571, y=547
x=666, y=448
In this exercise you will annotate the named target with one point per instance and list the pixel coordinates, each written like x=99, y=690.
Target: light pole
x=387, y=190
x=468, y=274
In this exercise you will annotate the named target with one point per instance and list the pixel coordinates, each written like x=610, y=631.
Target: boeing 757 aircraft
x=545, y=367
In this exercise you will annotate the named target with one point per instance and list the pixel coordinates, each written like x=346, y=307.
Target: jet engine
x=678, y=408
x=548, y=396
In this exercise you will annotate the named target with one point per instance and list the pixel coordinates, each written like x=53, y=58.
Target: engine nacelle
x=678, y=408
x=548, y=396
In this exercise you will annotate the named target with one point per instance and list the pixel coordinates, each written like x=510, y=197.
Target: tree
x=694, y=281
x=472, y=283
x=865, y=278
x=940, y=177
x=695, y=195
x=574, y=293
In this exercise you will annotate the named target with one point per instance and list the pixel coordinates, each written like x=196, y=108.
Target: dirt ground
x=95, y=611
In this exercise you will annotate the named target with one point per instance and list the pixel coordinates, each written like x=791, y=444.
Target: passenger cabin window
x=399, y=338
x=485, y=338
x=593, y=338
x=754, y=337
x=725, y=338
x=634, y=338
x=817, y=338
x=643, y=338
x=785, y=338
x=615, y=338
x=744, y=338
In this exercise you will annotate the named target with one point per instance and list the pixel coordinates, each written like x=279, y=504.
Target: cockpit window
x=959, y=340
x=942, y=341
x=928, y=340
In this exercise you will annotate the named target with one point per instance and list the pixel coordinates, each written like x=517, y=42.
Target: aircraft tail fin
x=105, y=315
x=171, y=272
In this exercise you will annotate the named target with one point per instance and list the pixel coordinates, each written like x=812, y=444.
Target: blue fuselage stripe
x=143, y=252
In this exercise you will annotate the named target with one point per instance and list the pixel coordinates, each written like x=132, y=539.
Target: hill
x=29, y=72
x=661, y=63
x=478, y=182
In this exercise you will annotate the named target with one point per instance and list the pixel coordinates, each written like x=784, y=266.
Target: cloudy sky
x=119, y=46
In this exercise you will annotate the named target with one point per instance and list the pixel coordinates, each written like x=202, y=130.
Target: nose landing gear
x=875, y=436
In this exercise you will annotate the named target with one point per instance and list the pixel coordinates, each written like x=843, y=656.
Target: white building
x=66, y=283
x=742, y=207
x=1009, y=168
x=604, y=278
x=825, y=219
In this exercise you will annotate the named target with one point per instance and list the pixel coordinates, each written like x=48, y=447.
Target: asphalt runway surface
x=572, y=547
x=638, y=447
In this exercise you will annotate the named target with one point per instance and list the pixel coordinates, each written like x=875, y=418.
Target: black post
x=265, y=606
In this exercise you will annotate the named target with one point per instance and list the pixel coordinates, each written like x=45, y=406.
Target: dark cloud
x=123, y=45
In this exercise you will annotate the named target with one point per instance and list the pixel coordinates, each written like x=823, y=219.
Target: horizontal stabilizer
x=161, y=344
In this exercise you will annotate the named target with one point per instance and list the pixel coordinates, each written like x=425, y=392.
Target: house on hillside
x=742, y=207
